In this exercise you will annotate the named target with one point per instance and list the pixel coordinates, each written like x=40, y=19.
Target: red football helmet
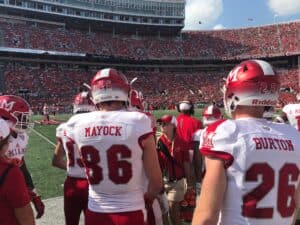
x=136, y=99
x=252, y=83
x=211, y=114
x=109, y=85
x=18, y=110
x=83, y=103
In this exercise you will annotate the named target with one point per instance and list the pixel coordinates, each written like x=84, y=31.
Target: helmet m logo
x=233, y=74
x=8, y=106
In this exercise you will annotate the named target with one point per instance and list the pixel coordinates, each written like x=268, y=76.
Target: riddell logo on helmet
x=263, y=102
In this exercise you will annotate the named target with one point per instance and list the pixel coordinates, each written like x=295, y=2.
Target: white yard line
x=43, y=137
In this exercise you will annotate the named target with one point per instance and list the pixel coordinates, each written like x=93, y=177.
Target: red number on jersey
x=285, y=194
x=286, y=191
x=119, y=169
x=71, y=156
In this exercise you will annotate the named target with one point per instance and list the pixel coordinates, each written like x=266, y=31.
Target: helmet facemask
x=23, y=122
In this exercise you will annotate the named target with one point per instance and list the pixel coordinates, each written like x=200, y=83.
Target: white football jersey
x=17, y=146
x=262, y=161
x=74, y=164
x=110, y=145
x=292, y=112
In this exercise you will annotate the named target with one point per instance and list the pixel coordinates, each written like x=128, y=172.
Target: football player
x=117, y=147
x=17, y=111
x=136, y=100
x=160, y=207
x=252, y=164
x=210, y=114
x=76, y=184
x=46, y=112
x=291, y=113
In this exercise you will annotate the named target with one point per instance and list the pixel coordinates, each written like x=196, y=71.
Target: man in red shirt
x=175, y=164
x=15, y=205
x=187, y=125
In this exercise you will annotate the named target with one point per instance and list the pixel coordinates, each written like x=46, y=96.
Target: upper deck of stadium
x=235, y=44
x=111, y=15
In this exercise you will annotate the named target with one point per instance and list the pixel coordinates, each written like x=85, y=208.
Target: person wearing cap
x=15, y=205
x=187, y=125
x=175, y=164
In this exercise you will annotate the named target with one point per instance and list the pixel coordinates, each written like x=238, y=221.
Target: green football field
x=48, y=179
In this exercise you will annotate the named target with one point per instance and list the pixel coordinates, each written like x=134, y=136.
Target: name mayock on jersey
x=103, y=131
x=273, y=143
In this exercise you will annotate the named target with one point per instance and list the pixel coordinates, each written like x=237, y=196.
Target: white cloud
x=201, y=14
x=284, y=7
x=219, y=27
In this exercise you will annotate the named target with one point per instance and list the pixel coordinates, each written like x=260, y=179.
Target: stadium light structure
x=275, y=18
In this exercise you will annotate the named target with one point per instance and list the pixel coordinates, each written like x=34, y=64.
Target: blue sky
x=228, y=14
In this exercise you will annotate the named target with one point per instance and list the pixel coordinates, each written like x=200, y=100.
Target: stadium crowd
x=140, y=170
x=271, y=40
x=162, y=90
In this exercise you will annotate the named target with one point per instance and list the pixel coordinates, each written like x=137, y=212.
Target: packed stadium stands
x=272, y=40
x=57, y=83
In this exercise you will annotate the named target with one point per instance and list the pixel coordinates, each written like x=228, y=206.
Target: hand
x=37, y=202
x=190, y=196
x=15, y=161
x=163, y=202
x=148, y=201
x=148, y=204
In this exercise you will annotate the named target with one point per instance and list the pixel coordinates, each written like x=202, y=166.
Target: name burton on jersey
x=273, y=143
x=103, y=131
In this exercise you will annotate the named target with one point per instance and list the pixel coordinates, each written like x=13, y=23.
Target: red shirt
x=179, y=153
x=13, y=194
x=187, y=125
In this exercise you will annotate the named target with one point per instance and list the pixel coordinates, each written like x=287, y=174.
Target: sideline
x=43, y=137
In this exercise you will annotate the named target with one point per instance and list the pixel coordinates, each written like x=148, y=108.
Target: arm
x=24, y=215
x=297, y=197
x=152, y=167
x=197, y=161
x=187, y=173
x=212, y=193
x=17, y=197
x=27, y=176
x=58, y=159
x=34, y=196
